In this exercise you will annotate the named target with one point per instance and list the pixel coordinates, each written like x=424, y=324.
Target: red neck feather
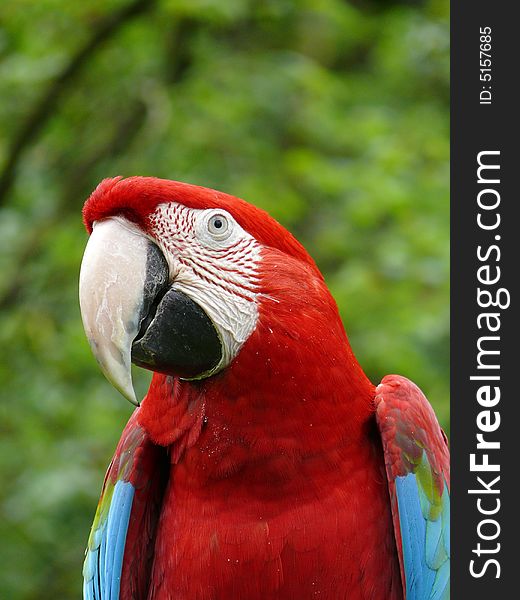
x=294, y=391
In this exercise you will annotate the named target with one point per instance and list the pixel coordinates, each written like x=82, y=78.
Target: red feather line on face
x=136, y=198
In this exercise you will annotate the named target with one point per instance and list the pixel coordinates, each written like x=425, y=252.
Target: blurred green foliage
x=332, y=115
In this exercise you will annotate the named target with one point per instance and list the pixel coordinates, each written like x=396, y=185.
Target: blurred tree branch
x=44, y=108
x=79, y=180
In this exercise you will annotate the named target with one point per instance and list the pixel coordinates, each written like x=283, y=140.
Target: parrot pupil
x=217, y=223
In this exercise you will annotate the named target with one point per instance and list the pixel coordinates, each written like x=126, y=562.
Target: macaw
x=262, y=463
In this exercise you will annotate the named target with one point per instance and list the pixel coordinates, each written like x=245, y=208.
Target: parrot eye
x=218, y=226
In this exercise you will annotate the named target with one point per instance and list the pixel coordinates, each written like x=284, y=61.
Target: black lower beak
x=176, y=336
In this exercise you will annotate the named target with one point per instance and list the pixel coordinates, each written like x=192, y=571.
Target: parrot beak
x=131, y=312
x=119, y=265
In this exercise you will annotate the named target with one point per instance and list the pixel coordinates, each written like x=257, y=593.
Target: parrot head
x=190, y=283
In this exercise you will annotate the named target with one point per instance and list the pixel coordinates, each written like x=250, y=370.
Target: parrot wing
x=418, y=470
x=119, y=554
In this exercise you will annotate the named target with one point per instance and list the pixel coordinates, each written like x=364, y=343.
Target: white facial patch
x=214, y=262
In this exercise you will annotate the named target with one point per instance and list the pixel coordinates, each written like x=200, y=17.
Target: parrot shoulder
x=119, y=554
x=418, y=471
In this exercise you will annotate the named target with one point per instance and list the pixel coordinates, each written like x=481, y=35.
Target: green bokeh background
x=332, y=115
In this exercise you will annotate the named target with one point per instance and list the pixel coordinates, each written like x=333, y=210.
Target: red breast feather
x=283, y=494
x=277, y=485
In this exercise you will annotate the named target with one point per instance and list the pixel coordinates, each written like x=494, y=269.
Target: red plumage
x=276, y=485
x=136, y=198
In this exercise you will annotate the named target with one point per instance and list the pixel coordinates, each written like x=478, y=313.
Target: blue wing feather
x=126, y=519
x=426, y=555
x=104, y=559
x=417, y=465
x=117, y=528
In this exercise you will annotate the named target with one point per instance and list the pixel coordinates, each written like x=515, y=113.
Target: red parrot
x=262, y=463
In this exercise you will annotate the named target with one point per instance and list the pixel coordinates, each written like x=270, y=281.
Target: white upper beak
x=111, y=283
